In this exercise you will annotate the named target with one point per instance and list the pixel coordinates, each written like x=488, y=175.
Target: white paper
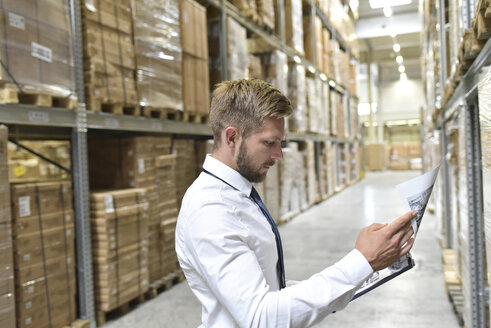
x=24, y=206
x=415, y=194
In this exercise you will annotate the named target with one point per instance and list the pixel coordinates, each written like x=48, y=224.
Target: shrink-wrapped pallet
x=313, y=105
x=44, y=254
x=119, y=221
x=36, y=47
x=7, y=291
x=158, y=53
x=236, y=43
x=266, y=15
x=485, y=125
x=187, y=170
x=294, y=25
x=324, y=113
x=296, y=93
x=109, y=65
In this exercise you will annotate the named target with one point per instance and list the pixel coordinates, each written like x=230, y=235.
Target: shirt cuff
x=355, y=267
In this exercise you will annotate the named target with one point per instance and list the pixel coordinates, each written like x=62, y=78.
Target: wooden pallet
x=97, y=105
x=195, y=117
x=10, y=94
x=161, y=113
x=165, y=283
x=103, y=316
x=79, y=323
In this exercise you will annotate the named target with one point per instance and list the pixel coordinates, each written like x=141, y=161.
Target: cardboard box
x=375, y=157
x=39, y=52
x=194, y=30
x=294, y=25
x=196, y=84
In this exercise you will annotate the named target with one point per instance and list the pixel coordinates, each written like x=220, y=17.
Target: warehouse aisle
x=319, y=237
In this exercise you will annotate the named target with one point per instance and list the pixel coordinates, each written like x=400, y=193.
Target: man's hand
x=382, y=244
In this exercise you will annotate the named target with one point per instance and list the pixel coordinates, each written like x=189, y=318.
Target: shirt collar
x=225, y=172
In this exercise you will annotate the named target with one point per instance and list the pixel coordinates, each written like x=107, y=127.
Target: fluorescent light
x=311, y=69
x=396, y=47
x=402, y=69
x=363, y=109
x=393, y=34
x=399, y=59
x=403, y=76
x=392, y=3
x=332, y=83
x=297, y=59
x=323, y=77
x=387, y=11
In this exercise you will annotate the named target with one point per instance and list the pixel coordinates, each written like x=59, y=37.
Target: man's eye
x=269, y=143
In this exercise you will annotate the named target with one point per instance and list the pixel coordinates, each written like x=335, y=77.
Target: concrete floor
x=319, y=237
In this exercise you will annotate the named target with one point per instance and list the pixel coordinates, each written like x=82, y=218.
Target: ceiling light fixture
x=393, y=34
x=399, y=59
x=387, y=11
x=396, y=47
x=403, y=76
x=402, y=69
x=392, y=3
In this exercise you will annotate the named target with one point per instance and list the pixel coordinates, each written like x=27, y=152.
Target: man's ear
x=231, y=135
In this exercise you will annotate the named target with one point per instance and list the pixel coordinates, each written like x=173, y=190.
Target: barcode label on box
x=24, y=206
x=109, y=204
x=141, y=165
x=41, y=52
x=17, y=21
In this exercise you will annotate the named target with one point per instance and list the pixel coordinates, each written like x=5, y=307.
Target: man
x=228, y=248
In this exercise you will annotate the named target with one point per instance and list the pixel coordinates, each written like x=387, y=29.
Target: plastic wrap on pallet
x=294, y=25
x=464, y=265
x=276, y=67
x=485, y=126
x=119, y=220
x=44, y=254
x=292, y=181
x=7, y=289
x=37, y=47
x=158, y=53
x=312, y=105
x=265, y=11
x=324, y=113
x=109, y=65
x=296, y=92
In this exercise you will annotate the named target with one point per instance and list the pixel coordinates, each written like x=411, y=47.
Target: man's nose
x=278, y=153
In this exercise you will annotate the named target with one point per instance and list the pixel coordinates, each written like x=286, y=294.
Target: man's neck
x=226, y=159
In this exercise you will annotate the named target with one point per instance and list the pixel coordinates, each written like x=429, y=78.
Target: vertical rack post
x=446, y=189
x=476, y=219
x=80, y=179
x=223, y=39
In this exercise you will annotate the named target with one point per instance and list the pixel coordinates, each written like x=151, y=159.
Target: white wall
x=399, y=100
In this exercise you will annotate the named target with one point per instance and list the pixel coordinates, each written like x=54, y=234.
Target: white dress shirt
x=227, y=252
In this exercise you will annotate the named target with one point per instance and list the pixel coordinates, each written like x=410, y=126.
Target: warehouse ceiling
x=378, y=34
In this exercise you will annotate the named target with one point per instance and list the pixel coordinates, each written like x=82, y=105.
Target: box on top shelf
x=260, y=12
x=158, y=53
x=7, y=291
x=44, y=254
x=109, y=65
x=37, y=47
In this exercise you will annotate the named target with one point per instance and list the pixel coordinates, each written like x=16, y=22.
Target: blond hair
x=245, y=104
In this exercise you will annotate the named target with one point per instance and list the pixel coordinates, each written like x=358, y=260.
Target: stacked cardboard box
x=187, y=170
x=327, y=62
x=313, y=105
x=266, y=14
x=119, y=221
x=109, y=54
x=294, y=25
x=255, y=69
x=322, y=172
x=7, y=291
x=296, y=92
x=237, y=59
x=37, y=47
x=375, y=157
x=195, y=72
x=331, y=159
x=166, y=184
x=25, y=167
x=276, y=69
x=158, y=53
x=313, y=43
x=131, y=163
x=308, y=153
x=292, y=183
x=324, y=112
x=44, y=254
x=337, y=114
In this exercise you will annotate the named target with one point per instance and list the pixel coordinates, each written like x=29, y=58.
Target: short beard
x=246, y=169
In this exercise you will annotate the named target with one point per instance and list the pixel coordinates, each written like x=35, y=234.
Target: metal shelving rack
x=74, y=125
x=465, y=102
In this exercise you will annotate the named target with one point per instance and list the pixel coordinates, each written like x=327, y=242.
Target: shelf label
x=112, y=122
x=157, y=126
x=17, y=21
x=38, y=117
x=24, y=206
x=109, y=204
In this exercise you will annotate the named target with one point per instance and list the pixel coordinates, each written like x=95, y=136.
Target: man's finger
x=404, y=250
x=403, y=220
